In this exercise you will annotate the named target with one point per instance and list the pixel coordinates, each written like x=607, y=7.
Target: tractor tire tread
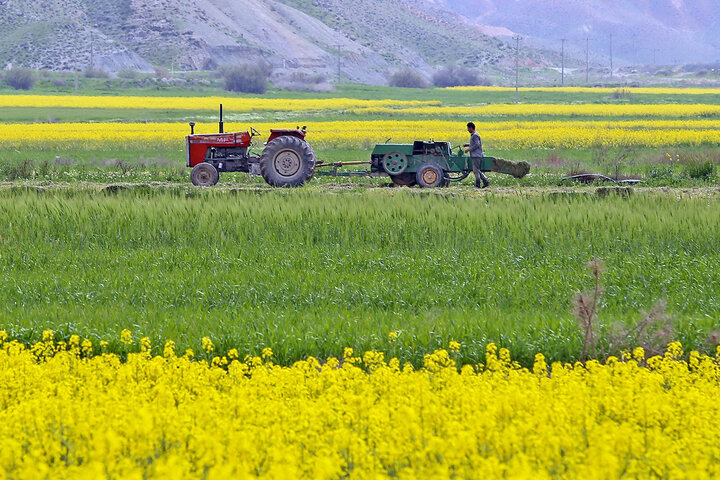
x=307, y=162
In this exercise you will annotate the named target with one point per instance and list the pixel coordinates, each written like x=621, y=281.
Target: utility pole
x=587, y=60
x=339, y=56
x=517, y=69
x=562, y=67
x=92, y=50
x=75, y=51
x=611, y=58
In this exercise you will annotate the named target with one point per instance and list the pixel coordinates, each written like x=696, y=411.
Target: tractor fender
x=286, y=132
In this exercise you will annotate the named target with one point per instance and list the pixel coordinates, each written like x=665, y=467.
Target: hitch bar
x=336, y=165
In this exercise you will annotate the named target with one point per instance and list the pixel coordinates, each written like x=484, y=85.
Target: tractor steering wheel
x=254, y=133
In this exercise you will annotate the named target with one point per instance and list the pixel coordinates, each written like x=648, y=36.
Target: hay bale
x=619, y=191
x=114, y=188
x=516, y=169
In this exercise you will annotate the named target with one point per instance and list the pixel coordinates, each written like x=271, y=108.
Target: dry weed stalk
x=585, y=310
x=652, y=333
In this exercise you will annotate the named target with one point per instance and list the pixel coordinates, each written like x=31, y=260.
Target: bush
x=622, y=93
x=304, y=82
x=161, y=72
x=246, y=78
x=700, y=169
x=91, y=72
x=407, y=78
x=20, y=78
x=457, y=77
x=128, y=73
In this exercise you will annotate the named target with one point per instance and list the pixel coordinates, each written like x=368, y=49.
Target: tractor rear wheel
x=430, y=175
x=204, y=175
x=403, y=179
x=287, y=162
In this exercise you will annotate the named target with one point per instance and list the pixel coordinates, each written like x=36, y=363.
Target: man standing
x=476, y=154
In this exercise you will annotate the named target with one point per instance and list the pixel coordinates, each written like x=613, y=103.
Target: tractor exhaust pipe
x=221, y=125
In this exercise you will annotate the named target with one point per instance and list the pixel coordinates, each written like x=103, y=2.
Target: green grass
x=311, y=271
x=212, y=87
x=342, y=262
x=657, y=167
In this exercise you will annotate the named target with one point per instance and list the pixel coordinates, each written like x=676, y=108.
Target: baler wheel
x=430, y=175
x=287, y=162
x=394, y=163
x=204, y=175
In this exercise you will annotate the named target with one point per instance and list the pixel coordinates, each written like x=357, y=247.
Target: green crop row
x=309, y=272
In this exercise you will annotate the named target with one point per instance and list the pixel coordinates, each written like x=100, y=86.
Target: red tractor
x=286, y=161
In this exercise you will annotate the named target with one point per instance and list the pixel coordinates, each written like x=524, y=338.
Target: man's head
x=471, y=127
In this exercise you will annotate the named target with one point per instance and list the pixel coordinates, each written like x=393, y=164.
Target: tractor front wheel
x=287, y=162
x=204, y=175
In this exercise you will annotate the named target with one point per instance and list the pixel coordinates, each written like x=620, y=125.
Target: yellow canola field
x=364, y=134
x=637, y=90
x=68, y=414
x=564, y=110
x=231, y=104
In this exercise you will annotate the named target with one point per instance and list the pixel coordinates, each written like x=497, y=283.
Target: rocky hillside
x=644, y=31
x=369, y=38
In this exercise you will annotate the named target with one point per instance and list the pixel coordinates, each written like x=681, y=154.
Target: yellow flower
x=207, y=345
x=169, y=349
x=126, y=336
x=454, y=346
x=145, y=345
x=393, y=336
x=267, y=353
x=639, y=354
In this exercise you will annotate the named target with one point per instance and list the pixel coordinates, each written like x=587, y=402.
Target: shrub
x=304, y=82
x=248, y=78
x=20, y=78
x=457, y=77
x=161, y=72
x=622, y=93
x=91, y=72
x=700, y=170
x=407, y=78
x=22, y=170
x=128, y=74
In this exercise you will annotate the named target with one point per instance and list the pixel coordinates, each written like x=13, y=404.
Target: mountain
x=367, y=38
x=644, y=31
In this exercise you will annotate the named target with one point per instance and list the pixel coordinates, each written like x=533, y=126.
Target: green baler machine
x=427, y=164
x=434, y=164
